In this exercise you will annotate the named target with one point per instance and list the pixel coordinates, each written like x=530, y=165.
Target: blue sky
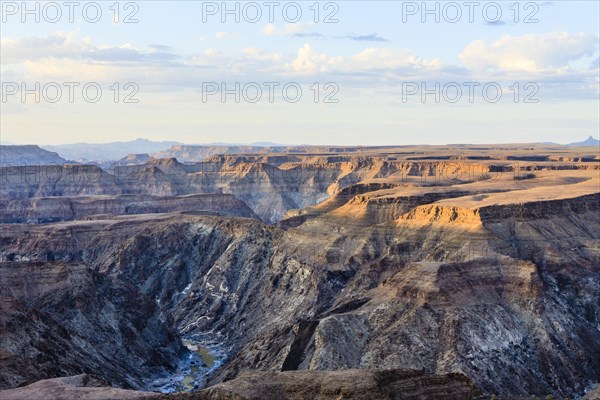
x=377, y=59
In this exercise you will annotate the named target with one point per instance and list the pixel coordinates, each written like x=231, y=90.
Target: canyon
x=400, y=272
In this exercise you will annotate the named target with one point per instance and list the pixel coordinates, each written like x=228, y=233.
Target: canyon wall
x=271, y=185
x=515, y=313
x=452, y=268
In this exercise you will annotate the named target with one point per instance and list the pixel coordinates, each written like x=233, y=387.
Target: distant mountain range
x=590, y=141
x=107, y=151
x=103, y=152
x=128, y=153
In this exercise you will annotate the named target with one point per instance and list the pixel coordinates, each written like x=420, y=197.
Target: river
x=203, y=357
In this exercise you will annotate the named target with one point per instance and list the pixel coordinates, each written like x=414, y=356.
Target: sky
x=305, y=72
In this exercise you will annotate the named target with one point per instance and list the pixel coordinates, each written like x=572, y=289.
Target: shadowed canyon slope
x=486, y=270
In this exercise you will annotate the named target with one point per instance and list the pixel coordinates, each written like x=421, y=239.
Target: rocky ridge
x=54, y=209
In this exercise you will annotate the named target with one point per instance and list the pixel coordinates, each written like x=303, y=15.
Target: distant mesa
x=133, y=159
x=268, y=144
x=28, y=155
x=198, y=153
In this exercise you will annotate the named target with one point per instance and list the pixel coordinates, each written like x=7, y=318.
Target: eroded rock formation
x=495, y=277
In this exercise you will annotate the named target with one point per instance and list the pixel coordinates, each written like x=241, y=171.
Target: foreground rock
x=80, y=387
x=349, y=384
x=261, y=385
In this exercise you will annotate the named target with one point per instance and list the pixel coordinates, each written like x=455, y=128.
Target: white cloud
x=288, y=29
x=308, y=61
x=547, y=58
x=226, y=35
x=253, y=53
x=548, y=52
x=269, y=30
x=55, y=69
x=62, y=56
x=371, y=61
x=209, y=58
x=383, y=58
x=65, y=45
x=58, y=44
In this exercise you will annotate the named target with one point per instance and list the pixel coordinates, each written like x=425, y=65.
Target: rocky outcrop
x=499, y=214
x=541, y=209
x=593, y=394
